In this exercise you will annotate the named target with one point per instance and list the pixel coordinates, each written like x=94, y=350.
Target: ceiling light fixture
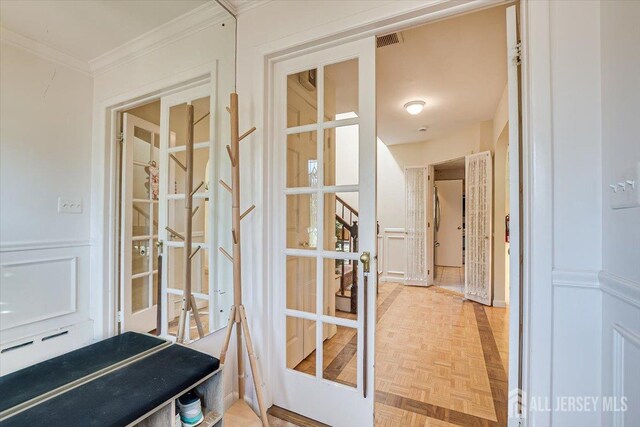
x=414, y=107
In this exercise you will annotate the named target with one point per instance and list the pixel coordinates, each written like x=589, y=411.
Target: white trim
x=236, y=7
x=618, y=287
x=42, y=245
x=586, y=279
x=183, y=26
x=500, y=303
x=44, y=51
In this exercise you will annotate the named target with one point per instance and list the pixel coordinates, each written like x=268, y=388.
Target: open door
x=324, y=160
x=515, y=223
x=139, y=231
x=478, y=209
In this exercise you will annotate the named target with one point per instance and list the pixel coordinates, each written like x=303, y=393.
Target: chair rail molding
x=43, y=244
x=587, y=279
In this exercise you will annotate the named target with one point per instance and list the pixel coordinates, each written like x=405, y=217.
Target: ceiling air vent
x=388, y=39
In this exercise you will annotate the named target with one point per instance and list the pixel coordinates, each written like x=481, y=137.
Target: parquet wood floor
x=440, y=360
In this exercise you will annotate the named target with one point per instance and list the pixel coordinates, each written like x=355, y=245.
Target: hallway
x=440, y=360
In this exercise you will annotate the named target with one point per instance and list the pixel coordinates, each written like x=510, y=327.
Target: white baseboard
x=499, y=303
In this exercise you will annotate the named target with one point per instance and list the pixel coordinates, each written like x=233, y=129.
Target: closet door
x=139, y=224
x=479, y=185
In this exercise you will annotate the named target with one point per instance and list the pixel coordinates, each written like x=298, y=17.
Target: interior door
x=323, y=357
x=449, y=247
x=139, y=231
x=173, y=135
x=478, y=206
x=416, y=235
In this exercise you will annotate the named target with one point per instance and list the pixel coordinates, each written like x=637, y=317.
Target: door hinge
x=121, y=138
x=517, y=57
x=119, y=317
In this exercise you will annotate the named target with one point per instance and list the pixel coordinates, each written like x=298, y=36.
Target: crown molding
x=43, y=51
x=238, y=7
x=191, y=22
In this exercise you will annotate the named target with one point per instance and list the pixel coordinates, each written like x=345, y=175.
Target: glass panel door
x=172, y=210
x=140, y=191
x=324, y=299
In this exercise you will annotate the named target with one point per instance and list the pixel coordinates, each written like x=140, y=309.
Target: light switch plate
x=69, y=205
x=625, y=192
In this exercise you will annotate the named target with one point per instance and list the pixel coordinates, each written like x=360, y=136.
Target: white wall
x=44, y=153
x=620, y=278
x=577, y=215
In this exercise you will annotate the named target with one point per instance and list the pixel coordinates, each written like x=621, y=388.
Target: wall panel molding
x=623, y=289
x=22, y=278
x=394, y=261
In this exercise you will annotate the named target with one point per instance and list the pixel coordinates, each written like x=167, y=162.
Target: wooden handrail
x=347, y=205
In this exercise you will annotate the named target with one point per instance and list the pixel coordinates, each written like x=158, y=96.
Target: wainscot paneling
x=45, y=300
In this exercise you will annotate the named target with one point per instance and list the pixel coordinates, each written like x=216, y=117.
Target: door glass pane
x=339, y=350
x=302, y=160
x=301, y=283
x=341, y=155
x=200, y=271
x=341, y=213
x=176, y=219
x=340, y=288
x=142, y=144
x=140, y=256
x=302, y=221
x=140, y=293
x=141, y=183
x=301, y=344
x=201, y=119
x=341, y=90
x=140, y=219
x=177, y=175
x=302, y=98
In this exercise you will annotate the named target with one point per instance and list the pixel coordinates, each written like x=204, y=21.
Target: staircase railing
x=347, y=233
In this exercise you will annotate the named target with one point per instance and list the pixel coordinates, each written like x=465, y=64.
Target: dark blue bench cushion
x=123, y=396
x=28, y=383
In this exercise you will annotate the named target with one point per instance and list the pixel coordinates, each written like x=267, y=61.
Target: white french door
x=173, y=134
x=323, y=364
x=139, y=230
x=478, y=218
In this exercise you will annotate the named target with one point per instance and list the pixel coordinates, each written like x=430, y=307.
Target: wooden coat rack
x=237, y=314
x=188, y=300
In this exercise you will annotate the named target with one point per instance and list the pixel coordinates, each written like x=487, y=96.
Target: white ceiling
x=457, y=66
x=87, y=29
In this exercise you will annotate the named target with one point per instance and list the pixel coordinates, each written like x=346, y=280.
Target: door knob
x=365, y=258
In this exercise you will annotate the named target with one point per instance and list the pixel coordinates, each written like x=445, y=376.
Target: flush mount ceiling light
x=414, y=107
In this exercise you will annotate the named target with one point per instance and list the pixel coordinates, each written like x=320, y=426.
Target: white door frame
x=536, y=172
x=107, y=121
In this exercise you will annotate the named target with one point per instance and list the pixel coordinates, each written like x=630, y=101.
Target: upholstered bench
x=128, y=379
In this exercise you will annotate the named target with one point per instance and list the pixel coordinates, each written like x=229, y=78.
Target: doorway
x=443, y=348
x=396, y=303
x=151, y=212
x=449, y=226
